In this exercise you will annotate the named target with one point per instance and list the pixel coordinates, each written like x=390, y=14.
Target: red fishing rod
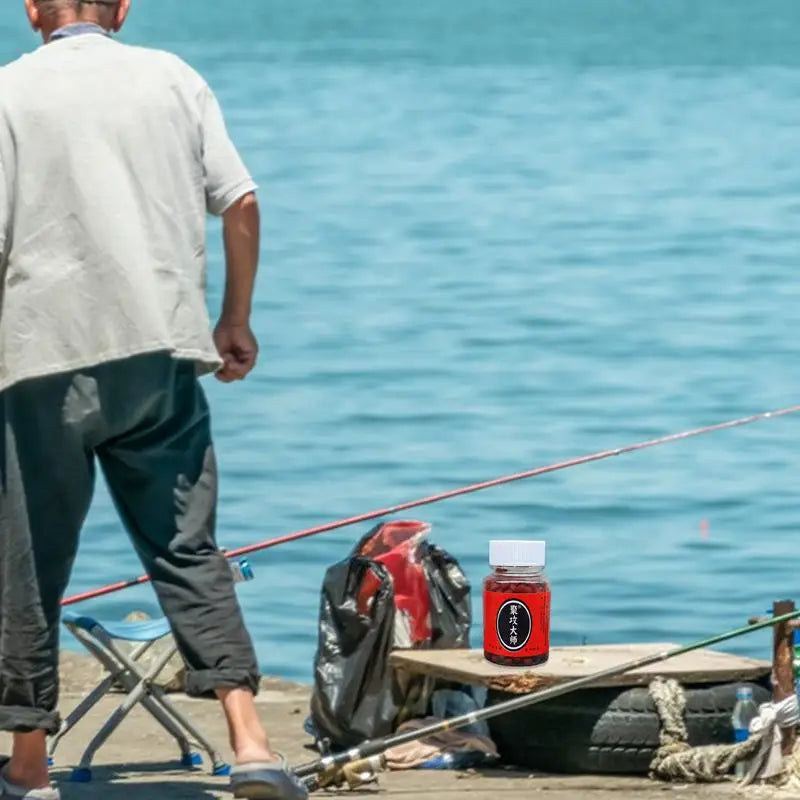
x=436, y=498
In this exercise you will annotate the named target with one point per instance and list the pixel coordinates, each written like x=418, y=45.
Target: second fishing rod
x=360, y=764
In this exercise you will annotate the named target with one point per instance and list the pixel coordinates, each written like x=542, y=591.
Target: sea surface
x=497, y=234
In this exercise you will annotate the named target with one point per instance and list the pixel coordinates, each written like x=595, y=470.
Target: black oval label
x=513, y=625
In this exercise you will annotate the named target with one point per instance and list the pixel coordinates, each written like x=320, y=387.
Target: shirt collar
x=77, y=29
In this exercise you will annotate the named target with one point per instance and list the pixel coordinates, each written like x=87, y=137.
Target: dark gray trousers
x=146, y=421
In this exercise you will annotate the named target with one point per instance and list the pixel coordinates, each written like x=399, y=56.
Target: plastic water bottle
x=744, y=713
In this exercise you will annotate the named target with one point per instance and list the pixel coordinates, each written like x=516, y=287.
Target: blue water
x=498, y=234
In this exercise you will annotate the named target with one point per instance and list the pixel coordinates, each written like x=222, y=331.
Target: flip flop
x=264, y=780
x=10, y=791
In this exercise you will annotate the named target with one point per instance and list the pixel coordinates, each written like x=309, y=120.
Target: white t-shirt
x=110, y=158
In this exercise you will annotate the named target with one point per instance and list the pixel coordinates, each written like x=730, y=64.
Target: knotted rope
x=675, y=760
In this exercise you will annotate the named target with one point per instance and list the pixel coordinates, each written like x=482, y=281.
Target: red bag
x=395, y=545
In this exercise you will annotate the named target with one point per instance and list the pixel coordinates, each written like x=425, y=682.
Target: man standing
x=110, y=158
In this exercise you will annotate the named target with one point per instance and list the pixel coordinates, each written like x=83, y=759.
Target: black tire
x=610, y=731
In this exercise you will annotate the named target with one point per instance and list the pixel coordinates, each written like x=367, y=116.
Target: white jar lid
x=517, y=553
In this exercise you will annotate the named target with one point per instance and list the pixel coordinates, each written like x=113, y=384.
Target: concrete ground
x=139, y=762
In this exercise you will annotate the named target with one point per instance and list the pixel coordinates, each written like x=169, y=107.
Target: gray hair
x=61, y=5
x=80, y=9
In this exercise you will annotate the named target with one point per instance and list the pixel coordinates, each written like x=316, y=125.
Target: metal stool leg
x=84, y=770
x=170, y=725
x=146, y=699
x=218, y=765
x=155, y=701
x=80, y=711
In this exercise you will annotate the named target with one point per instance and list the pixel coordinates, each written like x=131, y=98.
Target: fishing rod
x=436, y=498
x=360, y=764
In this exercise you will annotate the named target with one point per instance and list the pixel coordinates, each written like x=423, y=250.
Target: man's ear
x=34, y=17
x=120, y=15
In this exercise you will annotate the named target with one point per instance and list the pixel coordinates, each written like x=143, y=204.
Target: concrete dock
x=140, y=761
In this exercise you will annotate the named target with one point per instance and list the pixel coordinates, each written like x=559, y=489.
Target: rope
x=791, y=778
x=675, y=760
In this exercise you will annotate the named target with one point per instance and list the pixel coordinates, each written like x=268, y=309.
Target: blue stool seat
x=145, y=631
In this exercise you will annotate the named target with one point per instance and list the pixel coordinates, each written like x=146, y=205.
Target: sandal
x=10, y=791
x=263, y=780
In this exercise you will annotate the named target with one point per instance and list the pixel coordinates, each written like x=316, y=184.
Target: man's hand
x=238, y=348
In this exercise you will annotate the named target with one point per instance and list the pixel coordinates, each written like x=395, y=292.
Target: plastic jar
x=516, y=604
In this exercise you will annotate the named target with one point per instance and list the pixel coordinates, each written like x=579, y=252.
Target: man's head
x=47, y=16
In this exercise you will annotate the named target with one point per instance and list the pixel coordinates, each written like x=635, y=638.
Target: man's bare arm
x=242, y=233
x=234, y=339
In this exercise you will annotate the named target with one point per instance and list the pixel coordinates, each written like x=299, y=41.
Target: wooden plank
x=567, y=663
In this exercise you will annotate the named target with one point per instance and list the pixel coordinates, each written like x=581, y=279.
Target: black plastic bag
x=394, y=590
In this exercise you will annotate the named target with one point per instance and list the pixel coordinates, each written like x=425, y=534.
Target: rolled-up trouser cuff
x=200, y=683
x=24, y=719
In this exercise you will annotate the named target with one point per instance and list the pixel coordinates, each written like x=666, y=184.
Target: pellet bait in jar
x=516, y=604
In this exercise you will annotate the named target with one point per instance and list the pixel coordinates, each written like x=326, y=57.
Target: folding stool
x=101, y=639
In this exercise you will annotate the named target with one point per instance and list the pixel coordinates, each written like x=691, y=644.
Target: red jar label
x=516, y=625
